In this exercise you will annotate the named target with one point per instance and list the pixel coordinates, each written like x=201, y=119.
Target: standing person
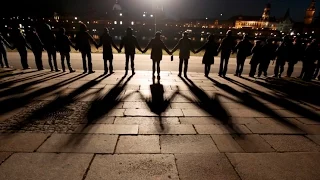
x=226, y=47
x=317, y=69
x=211, y=50
x=157, y=45
x=311, y=56
x=257, y=56
x=107, y=43
x=296, y=55
x=83, y=39
x=269, y=50
x=37, y=47
x=63, y=44
x=283, y=54
x=49, y=40
x=3, y=52
x=20, y=43
x=185, y=46
x=243, y=49
x=130, y=43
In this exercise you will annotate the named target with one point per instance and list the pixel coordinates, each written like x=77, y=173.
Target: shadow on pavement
x=15, y=74
x=12, y=82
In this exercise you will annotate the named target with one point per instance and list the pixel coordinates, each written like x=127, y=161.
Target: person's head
x=129, y=31
x=229, y=33
x=83, y=27
x=185, y=35
x=158, y=35
x=62, y=30
x=211, y=38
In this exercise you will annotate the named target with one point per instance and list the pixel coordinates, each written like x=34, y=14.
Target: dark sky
x=176, y=8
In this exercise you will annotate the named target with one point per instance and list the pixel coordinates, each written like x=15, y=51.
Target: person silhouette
x=185, y=46
x=211, y=50
x=226, y=47
x=82, y=40
x=130, y=43
x=311, y=56
x=63, y=44
x=3, y=51
x=296, y=54
x=243, y=49
x=257, y=56
x=49, y=40
x=157, y=45
x=269, y=50
x=37, y=47
x=19, y=42
x=282, y=54
x=107, y=43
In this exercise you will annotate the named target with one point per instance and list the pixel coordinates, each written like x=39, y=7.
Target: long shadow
x=60, y=102
x=211, y=105
x=11, y=104
x=157, y=104
x=249, y=101
x=280, y=101
x=102, y=105
x=15, y=74
x=6, y=71
x=12, y=82
x=22, y=88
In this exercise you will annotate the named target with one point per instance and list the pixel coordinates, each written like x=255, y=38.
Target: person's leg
x=5, y=59
x=158, y=68
x=276, y=68
x=281, y=68
x=54, y=58
x=205, y=70
x=241, y=66
x=127, y=63
x=180, y=66
x=260, y=69
x=221, y=64
x=50, y=59
x=105, y=65
x=153, y=68
x=316, y=72
x=90, y=62
x=84, y=63
x=24, y=58
x=186, y=64
x=67, y=54
x=1, y=63
x=63, y=56
x=290, y=69
x=238, y=67
x=111, y=65
x=226, y=64
x=132, y=63
x=36, y=58
x=266, y=67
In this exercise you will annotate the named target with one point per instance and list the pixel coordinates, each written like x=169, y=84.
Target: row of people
x=262, y=54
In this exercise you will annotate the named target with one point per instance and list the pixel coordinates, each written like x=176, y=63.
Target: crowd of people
x=262, y=52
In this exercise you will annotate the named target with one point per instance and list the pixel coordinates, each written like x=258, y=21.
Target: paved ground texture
x=56, y=125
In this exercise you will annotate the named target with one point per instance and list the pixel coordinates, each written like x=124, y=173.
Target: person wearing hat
x=83, y=39
x=19, y=42
x=107, y=43
x=157, y=45
x=3, y=51
x=226, y=47
x=210, y=48
x=37, y=47
x=243, y=49
x=185, y=46
x=130, y=43
x=63, y=44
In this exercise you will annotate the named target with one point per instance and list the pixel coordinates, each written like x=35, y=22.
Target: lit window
x=121, y=22
x=115, y=22
x=132, y=23
x=120, y=14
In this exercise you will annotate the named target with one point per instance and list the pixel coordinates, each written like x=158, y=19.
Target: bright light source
x=221, y=14
x=132, y=23
x=144, y=15
x=5, y=26
x=206, y=18
x=120, y=14
x=121, y=22
x=73, y=27
x=115, y=22
x=151, y=15
x=75, y=18
x=88, y=22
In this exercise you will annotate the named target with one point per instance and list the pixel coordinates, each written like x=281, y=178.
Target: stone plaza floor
x=56, y=125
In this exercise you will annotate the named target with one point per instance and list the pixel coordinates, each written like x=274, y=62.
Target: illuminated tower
x=117, y=6
x=266, y=12
x=310, y=13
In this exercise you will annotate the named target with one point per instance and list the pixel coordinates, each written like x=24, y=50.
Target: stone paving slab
x=199, y=120
x=314, y=138
x=187, y=144
x=108, y=129
x=248, y=120
x=138, y=144
x=43, y=166
x=205, y=167
x=273, y=129
x=146, y=120
x=287, y=143
x=166, y=129
x=147, y=112
x=253, y=143
x=222, y=129
x=308, y=121
x=146, y=167
x=4, y=156
x=284, y=166
x=21, y=142
x=80, y=143
x=226, y=143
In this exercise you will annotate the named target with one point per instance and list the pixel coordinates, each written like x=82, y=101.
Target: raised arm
x=93, y=41
x=191, y=46
x=6, y=42
x=148, y=47
x=202, y=48
x=176, y=47
x=166, y=48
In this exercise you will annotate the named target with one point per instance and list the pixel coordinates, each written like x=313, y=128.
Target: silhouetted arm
x=137, y=44
x=202, y=48
x=191, y=46
x=113, y=44
x=5, y=42
x=166, y=48
x=71, y=44
x=148, y=47
x=26, y=43
x=221, y=46
x=93, y=41
x=176, y=47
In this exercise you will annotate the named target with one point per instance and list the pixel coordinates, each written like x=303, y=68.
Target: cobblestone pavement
x=77, y=126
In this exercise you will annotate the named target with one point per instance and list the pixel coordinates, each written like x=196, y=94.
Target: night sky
x=177, y=8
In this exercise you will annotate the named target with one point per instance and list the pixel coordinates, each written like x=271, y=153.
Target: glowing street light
x=120, y=14
x=75, y=18
x=144, y=15
x=151, y=15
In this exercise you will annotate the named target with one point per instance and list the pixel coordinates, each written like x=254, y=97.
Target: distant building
x=285, y=24
x=308, y=19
